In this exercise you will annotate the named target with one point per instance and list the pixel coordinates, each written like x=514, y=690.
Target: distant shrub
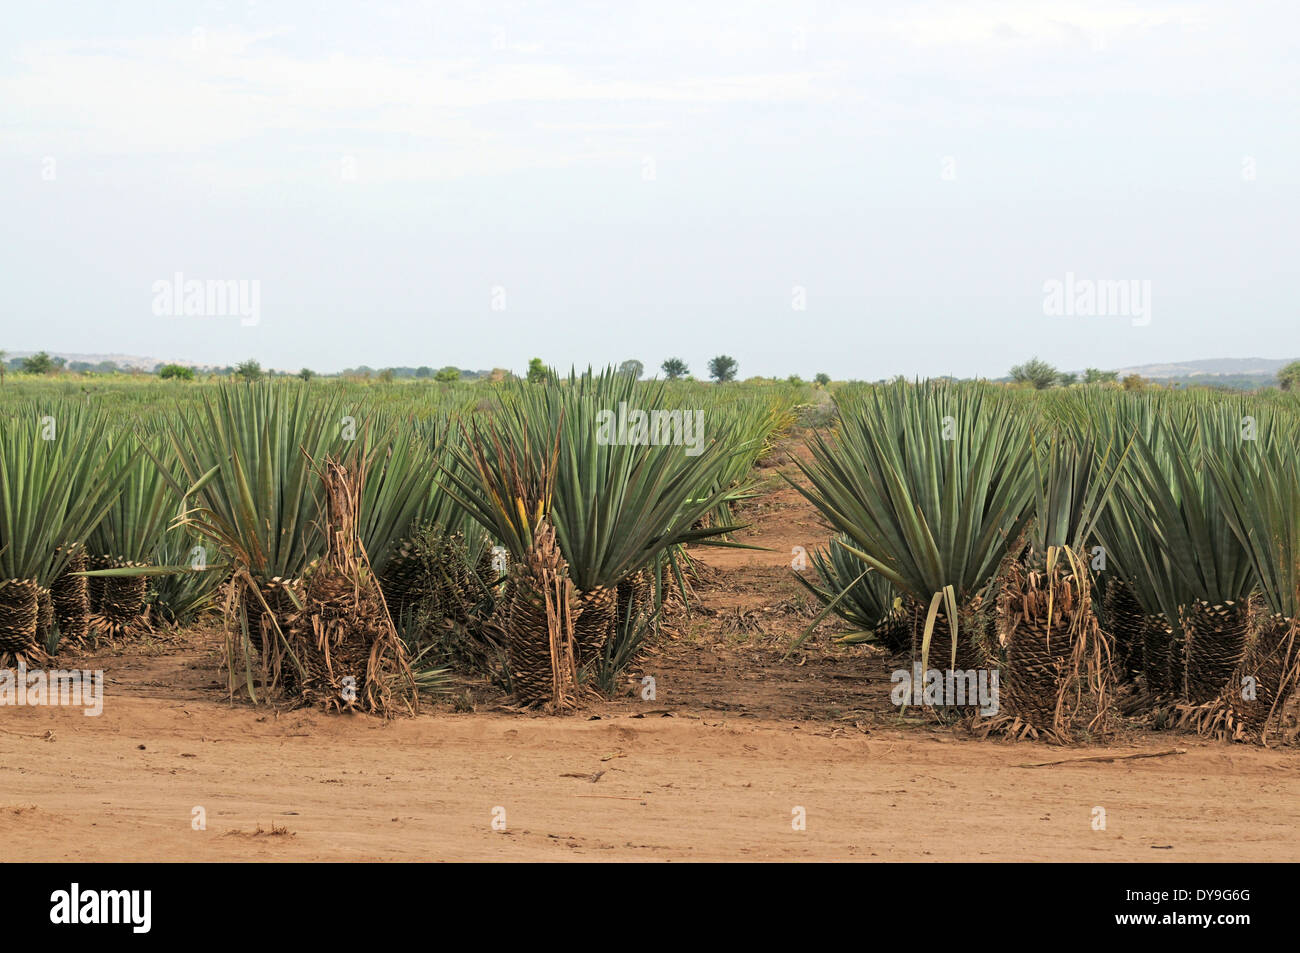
x=177, y=372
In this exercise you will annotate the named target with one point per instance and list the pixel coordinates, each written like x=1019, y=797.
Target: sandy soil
x=737, y=745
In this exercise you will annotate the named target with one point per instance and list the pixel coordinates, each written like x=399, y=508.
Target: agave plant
x=930, y=484
x=1052, y=644
x=1197, y=569
x=55, y=487
x=252, y=491
x=861, y=597
x=1260, y=501
x=131, y=532
x=619, y=508
x=619, y=505
x=509, y=489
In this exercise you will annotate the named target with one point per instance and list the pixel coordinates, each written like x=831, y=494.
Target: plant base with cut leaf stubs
x=121, y=599
x=1057, y=672
x=342, y=645
x=432, y=577
x=334, y=638
x=1214, y=642
x=404, y=580
x=540, y=627
x=635, y=595
x=972, y=627
x=19, y=612
x=1250, y=708
x=894, y=630
x=71, y=594
x=596, y=615
x=1161, y=657
x=485, y=570
x=279, y=596
x=276, y=594
x=458, y=585
x=1125, y=623
x=95, y=585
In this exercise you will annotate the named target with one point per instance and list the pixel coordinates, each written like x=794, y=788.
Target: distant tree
x=249, y=370
x=632, y=368
x=1134, y=382
x=1039, y=374
x=423, y=371
x=387, y=375
x=723, y=368
x=794, y=379
x=448, y=375
x=497, y=375
x=176, y=371
x=674, y=368
x=38, y=364
x=1288, y=378
x=306, y=373
x=822, y=379
x=536, y=371
x=1092, y=375
x=1065, y=380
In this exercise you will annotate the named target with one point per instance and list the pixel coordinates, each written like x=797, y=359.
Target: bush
x=40, y=363
x=176, y=372
x=249, y=370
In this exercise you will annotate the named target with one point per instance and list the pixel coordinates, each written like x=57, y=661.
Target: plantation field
x=593, y=617
x=711, y=770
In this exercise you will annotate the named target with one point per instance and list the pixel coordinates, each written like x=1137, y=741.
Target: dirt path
x=716, y=767
x=695, y=786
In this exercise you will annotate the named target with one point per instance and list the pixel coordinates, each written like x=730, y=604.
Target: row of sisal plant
x=223, y=502
x=79, y=492
x=983, y=526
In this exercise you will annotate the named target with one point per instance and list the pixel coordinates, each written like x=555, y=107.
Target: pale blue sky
x=791, y=144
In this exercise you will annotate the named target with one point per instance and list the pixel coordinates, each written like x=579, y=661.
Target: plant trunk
x=1215, y=640
x=1058, y=670
x=1159, y=658
x=71, y=596
x=971, y=623
x=540, y=630
x=95, y=584
x=1268, y=673
x=19, y=609
x=635, y=594
x=894, y=631
x=1126, y=625
x=343, y=637
x=595, y=619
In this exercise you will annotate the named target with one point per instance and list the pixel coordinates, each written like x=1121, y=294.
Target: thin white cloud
x=190, y=94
